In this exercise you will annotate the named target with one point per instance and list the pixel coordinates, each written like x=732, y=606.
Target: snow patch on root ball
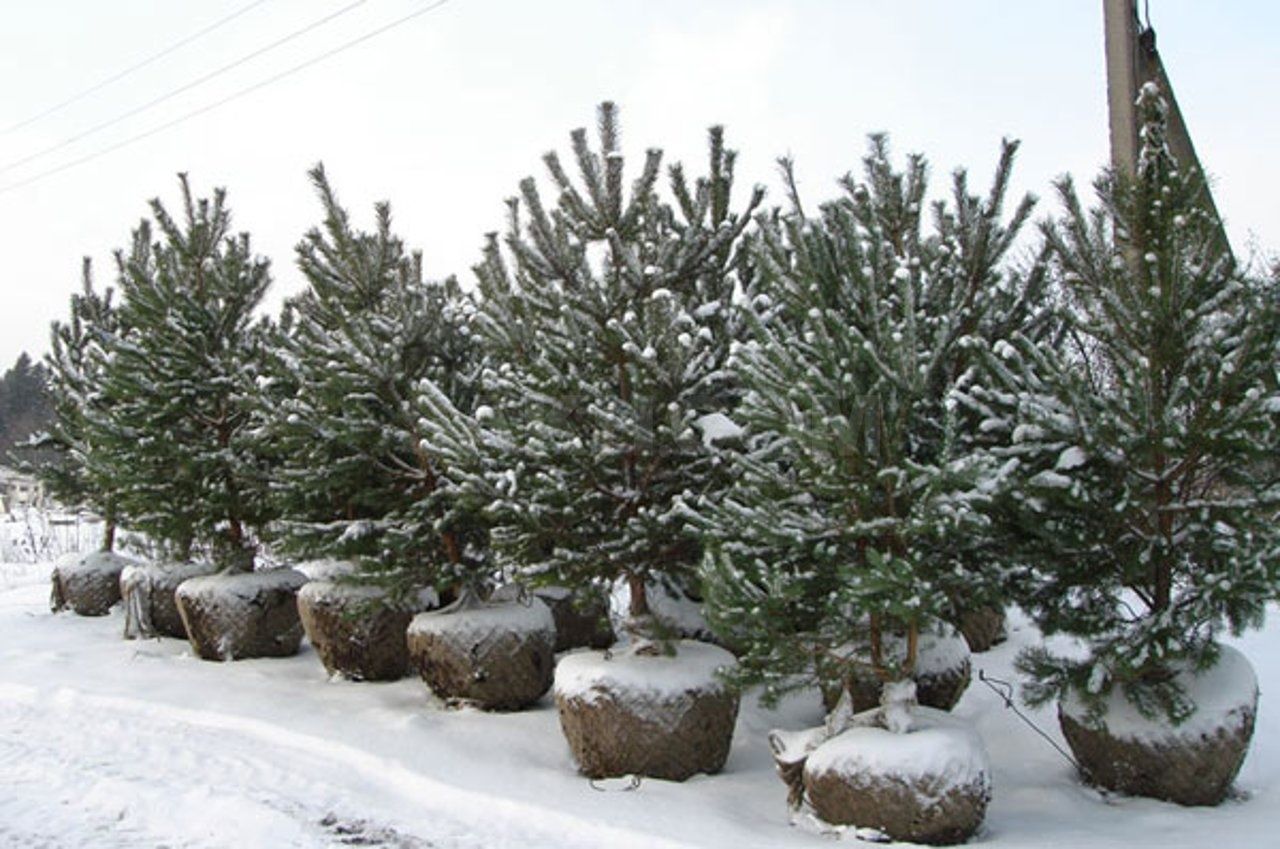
x=492, y=656
x=245, y=586
x=472, y=624
x=589, y=675
x=939, y=651
x=942, y=670
x=346, y=592
x=327, y=569
x=662, y=716
x=582, y=618
x=939, y=746
x=1191, y=764
x=1222, y=694
x=929, y=785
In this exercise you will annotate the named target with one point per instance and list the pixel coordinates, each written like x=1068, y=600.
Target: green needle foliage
x=360, y=356
x=854, y=512
x=1138, y=470
x=81, y=471
x=178, y=388
x=607, y=323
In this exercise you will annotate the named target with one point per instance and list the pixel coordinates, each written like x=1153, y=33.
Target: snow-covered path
x=106, y=743
x=141, y=778
x=109, y=743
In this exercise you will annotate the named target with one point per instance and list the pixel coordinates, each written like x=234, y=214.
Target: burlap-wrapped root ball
x=942, y=672
x=492, y=655
x=1193, y=763
x=582, y=619
x=89, y=584
x=149, y=604
x=982, y=628
x=357, y=631
x=647, y=714
x=928, y=785
x=242, y=615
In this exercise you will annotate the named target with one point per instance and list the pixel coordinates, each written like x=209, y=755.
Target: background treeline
x=25, y=407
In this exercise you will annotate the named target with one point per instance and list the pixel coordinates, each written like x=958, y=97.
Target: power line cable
x=328, y=54
x=155, y=57
x=198, y=81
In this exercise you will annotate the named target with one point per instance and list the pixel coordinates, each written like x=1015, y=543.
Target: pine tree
x=854, y=515
x=1138, y=470
x=81, y=471
x=606, y=328
x=178, y=388
x=357, y=353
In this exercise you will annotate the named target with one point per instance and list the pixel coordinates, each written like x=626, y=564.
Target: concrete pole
x=1120, y=21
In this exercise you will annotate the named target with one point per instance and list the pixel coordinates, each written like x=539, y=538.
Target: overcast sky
x=444, y=114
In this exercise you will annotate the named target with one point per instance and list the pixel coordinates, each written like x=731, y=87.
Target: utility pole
x=1132, y=62
x=1120, y=22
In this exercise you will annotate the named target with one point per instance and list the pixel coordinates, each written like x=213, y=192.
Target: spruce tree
x=80, y=470
x=178, y=388
x=345, y=400
x=1137, y=471
x=854, y=514
x=606, y=324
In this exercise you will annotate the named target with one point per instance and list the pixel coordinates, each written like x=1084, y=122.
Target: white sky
x=444, y=115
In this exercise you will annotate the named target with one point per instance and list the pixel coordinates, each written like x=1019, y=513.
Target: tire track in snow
x=99, y=778
x=82, y=770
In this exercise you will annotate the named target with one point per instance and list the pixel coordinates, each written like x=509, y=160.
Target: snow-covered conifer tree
x=82, y=471
x=178, y=388
x=853, y=515
x=362, y=351
x=1138, y=469
x=606, y=325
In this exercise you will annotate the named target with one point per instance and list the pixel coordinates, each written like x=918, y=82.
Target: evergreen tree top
x=79, y=472
x=1138, y=465
x=178, y=385
x=854, y=505
x=607, y=321
x=364, y=350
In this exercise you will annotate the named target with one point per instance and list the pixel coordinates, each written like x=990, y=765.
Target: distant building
x=18, y=490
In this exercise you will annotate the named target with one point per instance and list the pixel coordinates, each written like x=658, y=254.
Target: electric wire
x=198, y=81
x=155, y=57
x=328, y=54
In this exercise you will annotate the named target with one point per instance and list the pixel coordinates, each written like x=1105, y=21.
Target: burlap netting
x=629, y=722
x=1188, y=771
x=1192, y=763
x=495, y=656
x=88, y=584
x=235, y=616
x=982, y=628
x=356, y=631
x=892, y=805
x=928, y=782
x=148, y=593
x=618, y=735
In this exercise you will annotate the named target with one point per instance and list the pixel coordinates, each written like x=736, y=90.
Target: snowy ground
x=108, y=743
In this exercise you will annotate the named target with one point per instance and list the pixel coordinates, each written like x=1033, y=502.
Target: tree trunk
x=109, y=535
x=639, y=607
